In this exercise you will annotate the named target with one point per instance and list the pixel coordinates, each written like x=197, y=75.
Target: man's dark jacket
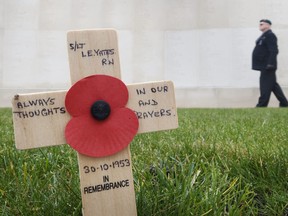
x=264, y=55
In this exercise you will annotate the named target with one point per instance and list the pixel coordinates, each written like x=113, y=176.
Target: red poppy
x=101, y=125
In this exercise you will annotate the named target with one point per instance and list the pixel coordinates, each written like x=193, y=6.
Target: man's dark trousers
x=269, y=84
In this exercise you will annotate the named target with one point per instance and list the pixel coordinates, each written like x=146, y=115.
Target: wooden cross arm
x=40, y=118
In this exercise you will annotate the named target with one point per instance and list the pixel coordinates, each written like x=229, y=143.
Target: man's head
x=265, y=25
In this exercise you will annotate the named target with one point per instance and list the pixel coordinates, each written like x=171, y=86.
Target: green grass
x=218, y=162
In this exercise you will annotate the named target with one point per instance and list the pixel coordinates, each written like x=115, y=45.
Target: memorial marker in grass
x=98, y=117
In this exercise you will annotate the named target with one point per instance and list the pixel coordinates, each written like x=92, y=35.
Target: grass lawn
x=218, y=162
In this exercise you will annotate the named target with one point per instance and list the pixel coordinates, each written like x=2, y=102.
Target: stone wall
x=203, y=46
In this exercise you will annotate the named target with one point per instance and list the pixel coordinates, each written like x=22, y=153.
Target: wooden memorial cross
x=40, y=120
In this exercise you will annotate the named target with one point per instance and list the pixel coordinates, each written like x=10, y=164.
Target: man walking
x=264, y=59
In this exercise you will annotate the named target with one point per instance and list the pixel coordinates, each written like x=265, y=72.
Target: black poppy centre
x=100, y=110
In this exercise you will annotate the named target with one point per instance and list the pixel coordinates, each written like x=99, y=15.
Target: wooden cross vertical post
x=40, y=118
